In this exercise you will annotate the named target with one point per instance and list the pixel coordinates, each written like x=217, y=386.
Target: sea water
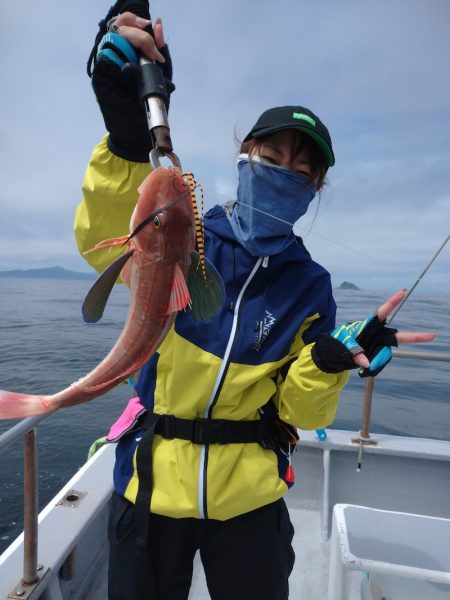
x=45, y=346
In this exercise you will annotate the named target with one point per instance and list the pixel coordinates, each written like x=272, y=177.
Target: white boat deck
x=308, y=580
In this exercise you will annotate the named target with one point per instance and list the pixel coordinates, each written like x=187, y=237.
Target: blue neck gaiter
x=270, y=200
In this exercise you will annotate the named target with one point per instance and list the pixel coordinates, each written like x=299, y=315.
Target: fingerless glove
x=334, y=352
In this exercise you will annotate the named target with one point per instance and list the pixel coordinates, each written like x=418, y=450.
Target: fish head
x=162, y=223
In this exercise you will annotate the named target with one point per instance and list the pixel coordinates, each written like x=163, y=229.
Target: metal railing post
x=364, y=438
x=30, y=508
x=367, y=407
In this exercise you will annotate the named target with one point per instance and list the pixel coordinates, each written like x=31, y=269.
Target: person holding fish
x=204, y=448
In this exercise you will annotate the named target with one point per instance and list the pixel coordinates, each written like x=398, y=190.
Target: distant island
x=346, y=285
x=47, y=273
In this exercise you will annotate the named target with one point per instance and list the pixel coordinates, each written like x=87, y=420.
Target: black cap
x=294, y=117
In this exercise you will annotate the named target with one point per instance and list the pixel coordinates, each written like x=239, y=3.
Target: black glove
x=334, y=352
x=116, y=88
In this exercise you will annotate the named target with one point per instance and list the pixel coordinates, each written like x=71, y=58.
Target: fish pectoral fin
x=179, y=294
x=97, y=297
x=109, y=243
x=206, y=289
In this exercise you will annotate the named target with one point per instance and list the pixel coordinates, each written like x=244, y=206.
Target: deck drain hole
x=72, y=499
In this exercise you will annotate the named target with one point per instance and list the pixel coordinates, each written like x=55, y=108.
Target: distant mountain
x=346, y=285
x=48, y=273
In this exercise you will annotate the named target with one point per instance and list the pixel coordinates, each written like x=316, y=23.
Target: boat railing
x=27, y=429
x=364, y=438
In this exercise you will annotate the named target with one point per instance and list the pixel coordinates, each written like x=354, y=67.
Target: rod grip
x=152, y=81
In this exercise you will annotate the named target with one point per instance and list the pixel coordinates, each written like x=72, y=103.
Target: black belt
x=212, y=431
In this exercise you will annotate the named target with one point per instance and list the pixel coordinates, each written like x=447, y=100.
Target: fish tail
x=18, y=406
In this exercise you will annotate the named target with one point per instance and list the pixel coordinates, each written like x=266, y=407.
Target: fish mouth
x=151, y=216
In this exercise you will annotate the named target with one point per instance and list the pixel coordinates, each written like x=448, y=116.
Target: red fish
x=158, y=263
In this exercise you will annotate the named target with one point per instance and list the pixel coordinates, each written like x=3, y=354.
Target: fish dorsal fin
x=97, y=297
x=206, y=289
x=179, y=294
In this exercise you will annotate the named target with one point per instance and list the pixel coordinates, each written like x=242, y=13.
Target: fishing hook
x=156, y=154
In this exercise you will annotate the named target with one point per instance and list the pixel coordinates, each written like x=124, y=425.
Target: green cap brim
x=329, y=156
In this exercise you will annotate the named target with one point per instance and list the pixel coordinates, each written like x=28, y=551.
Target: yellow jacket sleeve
x=110, y=194
x=308, y=397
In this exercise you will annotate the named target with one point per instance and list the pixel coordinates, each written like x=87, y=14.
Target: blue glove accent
x=117, y=49
x=380, y=360
x=347, y=333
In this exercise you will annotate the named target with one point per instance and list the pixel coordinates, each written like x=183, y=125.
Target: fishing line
x=151, y=216
x=308, y=231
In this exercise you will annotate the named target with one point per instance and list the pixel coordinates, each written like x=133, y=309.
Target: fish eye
x=156, y=222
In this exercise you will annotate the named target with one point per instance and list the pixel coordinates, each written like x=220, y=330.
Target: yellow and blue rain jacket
x=256, y=350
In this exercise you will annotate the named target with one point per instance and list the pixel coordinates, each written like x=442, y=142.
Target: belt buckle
x=169, y=427
x=209, y=431
x=197, y=431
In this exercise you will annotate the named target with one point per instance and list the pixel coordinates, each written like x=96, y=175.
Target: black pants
x=245, y=558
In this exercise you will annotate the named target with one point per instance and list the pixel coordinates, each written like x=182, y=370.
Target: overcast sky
x=377, y=73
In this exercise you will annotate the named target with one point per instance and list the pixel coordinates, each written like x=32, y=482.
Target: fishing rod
x=441, y=247
x=370, y=380
x=413, y=287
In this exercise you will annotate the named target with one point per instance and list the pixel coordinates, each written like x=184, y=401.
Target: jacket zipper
x=202, y=503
